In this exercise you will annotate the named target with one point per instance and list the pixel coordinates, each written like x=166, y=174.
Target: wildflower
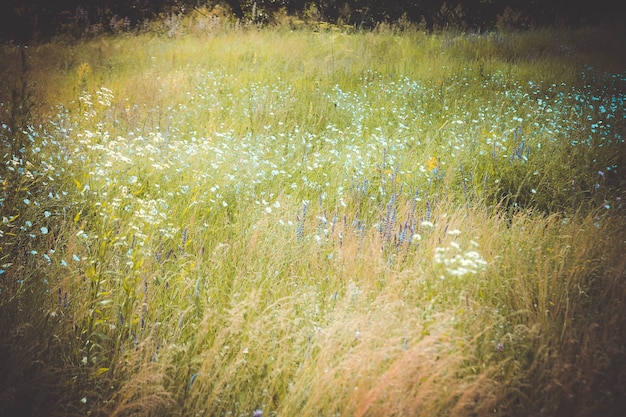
x=184, y=238
x=427, y=224
x=257, y=413
x=432, y=163
x=83, y=70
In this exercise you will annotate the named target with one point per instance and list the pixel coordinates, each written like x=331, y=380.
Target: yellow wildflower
x=83, y=70
x=432, y=163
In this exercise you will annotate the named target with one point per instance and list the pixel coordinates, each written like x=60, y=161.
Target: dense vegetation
x=195, y=221
x=24, y=20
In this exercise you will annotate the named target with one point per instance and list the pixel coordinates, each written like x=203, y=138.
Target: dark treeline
x=24, y=20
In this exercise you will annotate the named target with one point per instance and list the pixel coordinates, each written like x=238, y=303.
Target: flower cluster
x=457, y=262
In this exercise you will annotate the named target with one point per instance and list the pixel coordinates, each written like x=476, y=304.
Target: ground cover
x=376, y=223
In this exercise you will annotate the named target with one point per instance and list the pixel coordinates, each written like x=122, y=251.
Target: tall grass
x=362, y=224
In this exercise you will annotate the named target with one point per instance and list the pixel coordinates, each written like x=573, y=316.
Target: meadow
x=231, y=221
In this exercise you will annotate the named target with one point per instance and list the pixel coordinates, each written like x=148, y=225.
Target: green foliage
x=354, y=223
x=25, y=21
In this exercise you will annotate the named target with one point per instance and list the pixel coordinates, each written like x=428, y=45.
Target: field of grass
x=314, y=223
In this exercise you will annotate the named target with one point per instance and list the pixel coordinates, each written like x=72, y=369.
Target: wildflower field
x=314, y=223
